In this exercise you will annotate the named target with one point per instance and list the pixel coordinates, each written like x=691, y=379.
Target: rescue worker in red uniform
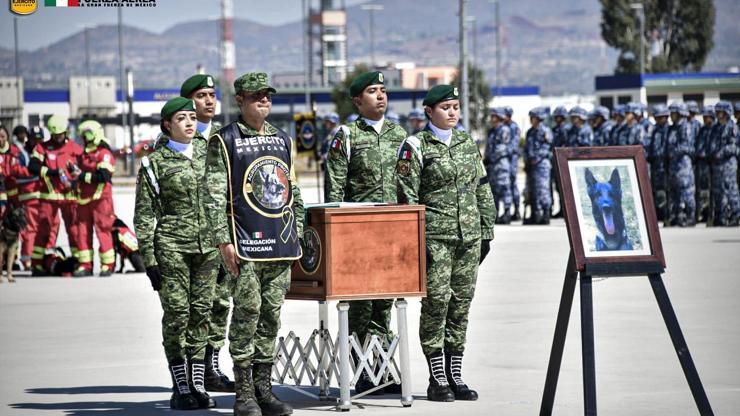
x=8, y=168
x=51, y=160
x=28, y=194
x=93, y=173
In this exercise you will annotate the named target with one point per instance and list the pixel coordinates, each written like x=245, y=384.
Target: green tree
x=678, y=34
x=480, y=96
x=340, y=93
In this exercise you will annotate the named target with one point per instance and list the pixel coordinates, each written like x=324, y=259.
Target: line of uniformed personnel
x=219, y=215
x=45, y=178
x=692, y=163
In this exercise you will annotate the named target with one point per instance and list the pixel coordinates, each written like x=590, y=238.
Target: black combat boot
x=364, y=383
x=216, y=380
x=245, y=403
x=453, y=370
x=197, y=384
x=505, y=218
x=182, y=398
x=516, y=216
x=266, y=399
x=439, y=389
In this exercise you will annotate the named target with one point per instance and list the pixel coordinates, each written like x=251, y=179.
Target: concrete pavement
x=93, y=346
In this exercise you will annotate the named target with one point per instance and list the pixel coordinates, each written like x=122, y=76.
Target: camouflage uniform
x=630, y=135
x=259, y=290
x=361, y=168
x=657, y=160
x=579, y=137
x=602, y=133
x=702, y=172
x=560, y=134
x=451, y=182
x=516, y=133
x=723, y=156
x=173, y=234
x=496, y=159
x=680, y=149
x=537, y=155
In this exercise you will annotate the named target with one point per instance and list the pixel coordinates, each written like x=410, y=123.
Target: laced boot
x=266, y=399
x=516, y=216
x=245, y=403
x=182, y=398
x=453, y=370
x=439, y=389
x=216, y=380
x=197, y=384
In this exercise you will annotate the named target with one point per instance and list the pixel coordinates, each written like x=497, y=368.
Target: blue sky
x=49, y=24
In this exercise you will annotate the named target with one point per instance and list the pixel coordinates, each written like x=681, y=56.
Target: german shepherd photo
x=606, y=207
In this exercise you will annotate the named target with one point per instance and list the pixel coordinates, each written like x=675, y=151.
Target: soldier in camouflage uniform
x=560, y=130
x=723, y=155
x=695, y=124
x=631, y=132
x=538, y=165
x=601, y=125
x=255, y=212
x=702, y=172
x=175, y=243
x=656, y=157
x=516, y=133
x=201, y=89
x=441, y=168
x=680, y=149
x=618, y=115
x=497, y=163
x=361, y=168
x=580, y=134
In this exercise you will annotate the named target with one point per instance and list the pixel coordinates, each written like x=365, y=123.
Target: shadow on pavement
x=99, y=390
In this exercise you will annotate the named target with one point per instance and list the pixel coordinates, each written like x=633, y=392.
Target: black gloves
x=485, y=248
x=155, y=277
x=221, y=274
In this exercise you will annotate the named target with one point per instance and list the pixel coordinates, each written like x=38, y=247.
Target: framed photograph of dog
x=608, y=206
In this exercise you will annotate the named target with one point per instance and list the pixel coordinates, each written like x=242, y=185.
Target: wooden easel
x=653, y=272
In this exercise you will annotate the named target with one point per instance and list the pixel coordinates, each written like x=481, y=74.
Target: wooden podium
x=362, y=252
x=355, y=252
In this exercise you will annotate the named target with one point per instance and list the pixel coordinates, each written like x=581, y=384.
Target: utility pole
x=464, y=67
x=305, y=12
x=87, y=69
x=130, y=99
x=121, y=81
x=498, y=43
x=372, y=8
x=641, y=10
x=18, y=91
x=228, y=57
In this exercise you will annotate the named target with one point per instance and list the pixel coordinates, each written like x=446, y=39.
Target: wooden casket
x=361, y=252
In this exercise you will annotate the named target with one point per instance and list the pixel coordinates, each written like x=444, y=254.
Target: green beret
x=440, y=93
x=195, y=83
x=176, y=104
x=252, y=82
x=362, y=81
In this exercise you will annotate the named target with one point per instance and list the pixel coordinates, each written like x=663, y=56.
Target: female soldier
x=441, y=168
x=180, y=260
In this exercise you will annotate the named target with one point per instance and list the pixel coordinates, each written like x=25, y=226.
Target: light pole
x=121, y=79
x=464, y=67
x=87, y=69
x=18, y=91
x=498, y=43
x=305, y=12
x=639, y=7
x=130, y=99
x=372, y=8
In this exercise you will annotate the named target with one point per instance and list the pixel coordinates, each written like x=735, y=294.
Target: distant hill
x=555, y=44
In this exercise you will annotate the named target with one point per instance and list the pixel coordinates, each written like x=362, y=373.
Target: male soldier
x=580, y=133
x=331, y=126
x=537, y=155
x=680, y=150
x=496, y=160
x=417, y=120
x=644, y=120
x=702, y=171
x=559, y=139
x=201, y=89
x=723, y=155
x=657, y=160
x=619, y=123
x=362, y=168
x=631, y=131
x=50, y=161
x=695, y=124
x=256, y=213
x=516, y=133
x=601, y=125
x=28, y=194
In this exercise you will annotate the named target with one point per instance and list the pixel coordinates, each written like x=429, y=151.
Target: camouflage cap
x=365, y=80
x=195, y=83
x=708, y=111
x=439, y=93
x=176, y=104
x=660, y=110
x=253, y=82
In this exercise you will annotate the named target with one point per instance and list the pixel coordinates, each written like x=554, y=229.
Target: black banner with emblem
x=263, y=220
